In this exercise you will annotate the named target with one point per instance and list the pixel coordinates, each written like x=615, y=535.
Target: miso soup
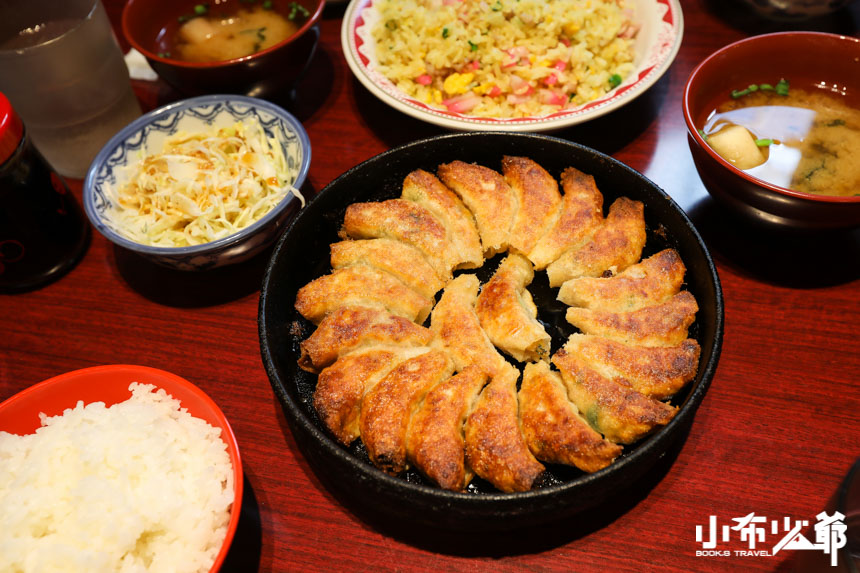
x=806, y=140
x=222, y=32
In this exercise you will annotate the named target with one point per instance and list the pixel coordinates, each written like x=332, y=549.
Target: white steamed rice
x=139, y=486
x=504, y=58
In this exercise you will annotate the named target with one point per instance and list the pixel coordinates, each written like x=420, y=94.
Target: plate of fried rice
x=510, y=65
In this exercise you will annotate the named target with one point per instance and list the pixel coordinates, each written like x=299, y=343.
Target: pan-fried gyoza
x=611, y=405
x=538, y=199
x=488, y=197
x=341, y=386
x=458, y=328
x=495, y=447
x=426, y=190
x=435, y=440
x=647, y=283
x=387, y=407
x=508, y=314
x=616, y=244
x=554, y=429
x=404, y=221
x=352, y=327
x=653, y=371
x=581, y=214
x=360, y=285
x=440, y=397
x=406, y=263
x=663, y=324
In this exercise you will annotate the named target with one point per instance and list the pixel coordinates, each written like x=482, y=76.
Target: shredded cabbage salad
x=203, y=187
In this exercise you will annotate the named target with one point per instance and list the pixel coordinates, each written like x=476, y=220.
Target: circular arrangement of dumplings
x=443, y=399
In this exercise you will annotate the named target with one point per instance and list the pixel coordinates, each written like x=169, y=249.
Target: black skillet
x=302, y=255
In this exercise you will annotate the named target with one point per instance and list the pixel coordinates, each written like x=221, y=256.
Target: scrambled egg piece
x=457, y=83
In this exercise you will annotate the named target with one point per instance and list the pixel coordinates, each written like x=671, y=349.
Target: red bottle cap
x=11, y=129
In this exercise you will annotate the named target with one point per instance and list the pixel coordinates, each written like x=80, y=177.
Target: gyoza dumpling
x=538, y=199
x=495, y=448
x=610, y=405
x=664, y=324
x=616, y=244
x=404, y=221
x=652, y=281
x=399, y=259
x=507, y=313
x=657, y=372
x=488, y=197
x=387, y=407
x=434, y=440
x=581, y=214
x=360, y=285
x=341, y=386
x=552, y=426
x=349, y=328
x=458, y=329
x=426, y=190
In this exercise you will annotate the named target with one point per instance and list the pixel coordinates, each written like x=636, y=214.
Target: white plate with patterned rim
x=655, y=47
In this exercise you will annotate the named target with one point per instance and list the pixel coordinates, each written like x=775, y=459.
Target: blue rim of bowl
x=144, y=120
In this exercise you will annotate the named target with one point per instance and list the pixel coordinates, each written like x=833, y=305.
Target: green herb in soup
x=211, y=35
x=781, y=88
x=804, y=140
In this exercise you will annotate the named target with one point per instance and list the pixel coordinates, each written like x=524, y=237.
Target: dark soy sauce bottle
x=43, y=233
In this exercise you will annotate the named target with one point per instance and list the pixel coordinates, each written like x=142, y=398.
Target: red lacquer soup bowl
x=810, y=61
x=150, y=26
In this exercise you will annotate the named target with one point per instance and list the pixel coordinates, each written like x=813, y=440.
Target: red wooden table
x=775, y=434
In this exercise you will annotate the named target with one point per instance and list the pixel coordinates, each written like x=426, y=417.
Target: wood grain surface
x=775, y=434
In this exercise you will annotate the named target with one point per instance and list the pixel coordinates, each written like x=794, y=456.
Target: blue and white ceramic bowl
x=146, y=135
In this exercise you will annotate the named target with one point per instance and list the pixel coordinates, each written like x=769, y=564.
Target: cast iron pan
x=302, y=254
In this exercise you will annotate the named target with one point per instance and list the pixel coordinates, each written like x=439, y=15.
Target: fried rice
x=504, y=58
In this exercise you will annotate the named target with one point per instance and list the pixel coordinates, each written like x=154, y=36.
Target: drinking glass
x=63, y=71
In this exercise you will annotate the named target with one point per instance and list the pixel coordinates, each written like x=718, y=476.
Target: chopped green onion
x=703, y=134
x=835, y=122
x=740, y=93
x=296, y=8
x=472, y=46
x=614, y=80
x=497, y=6
x=267, y=5
x=390, y=24
x=445, y=32
x=764, y=142
x=781, y=88
x=163, y=54
x=201, y=9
